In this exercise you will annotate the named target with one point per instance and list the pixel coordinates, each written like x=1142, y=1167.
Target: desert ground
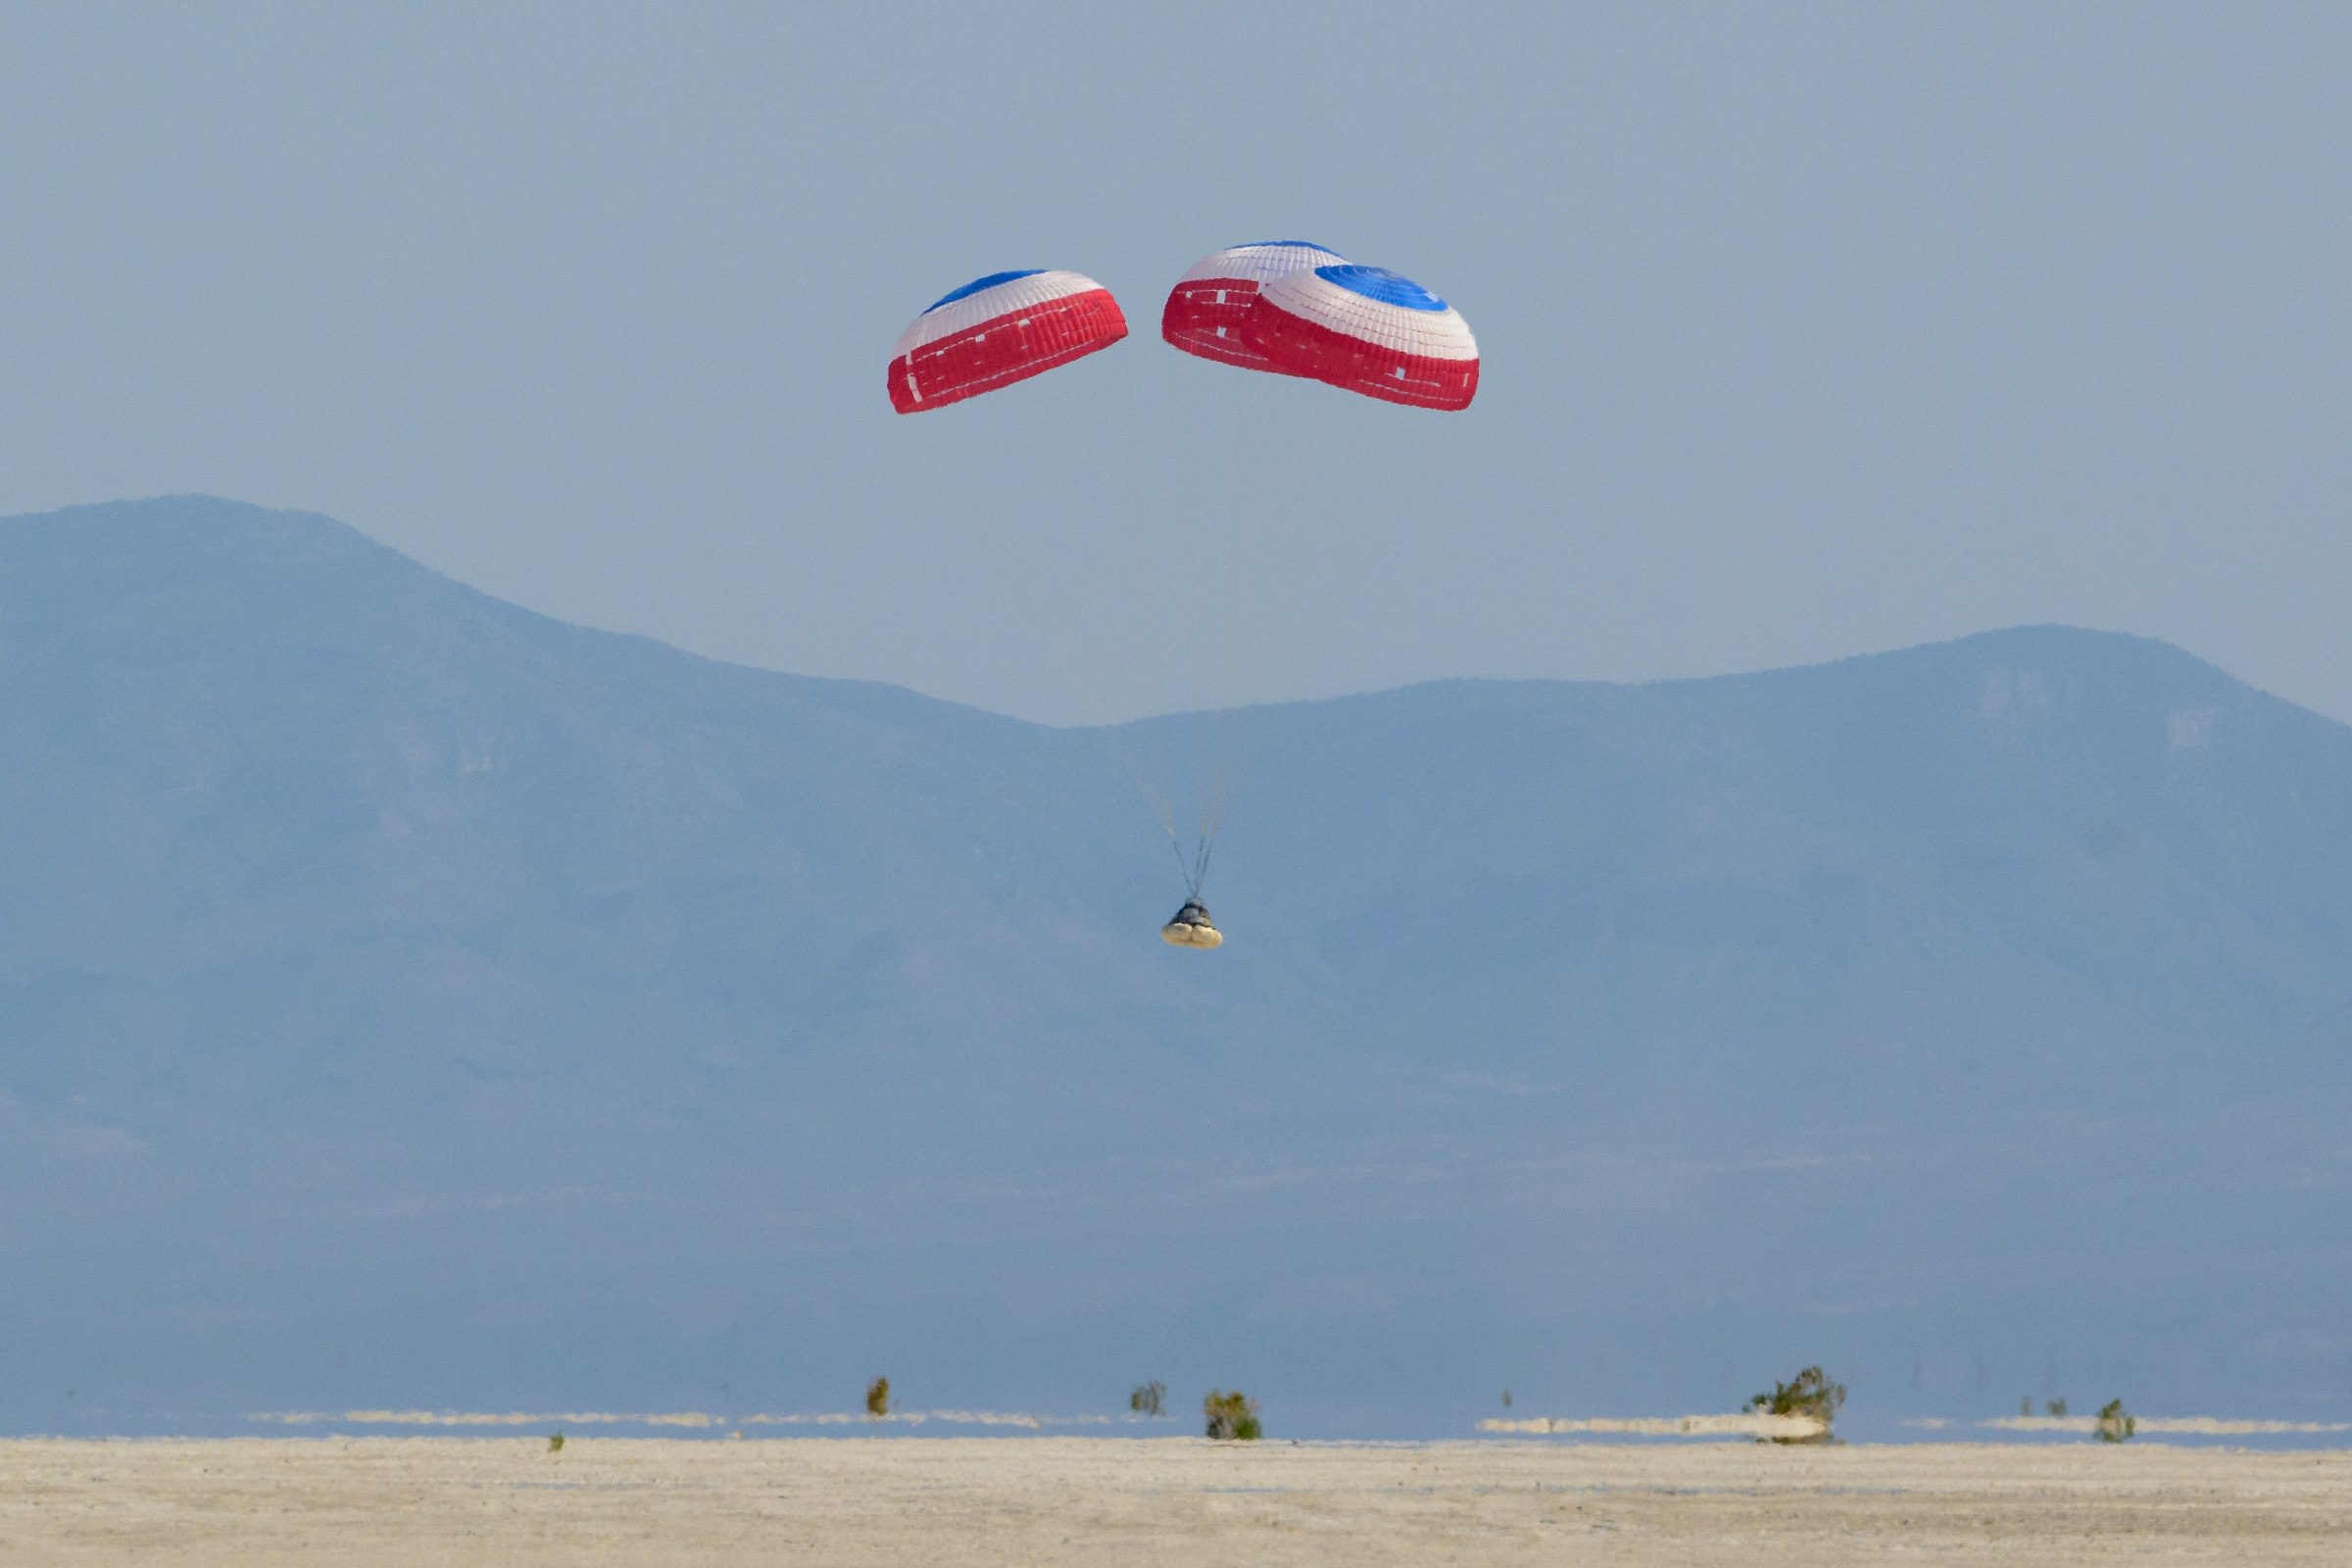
x=1048, y=1500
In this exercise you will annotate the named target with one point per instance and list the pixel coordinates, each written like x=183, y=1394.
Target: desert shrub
x=877, y=1398
x=2115, y=1423
x=1148, y=1398
x=1809, y=1393
x=2056, y=1407
x=1232, y=1418
x=554, y=1443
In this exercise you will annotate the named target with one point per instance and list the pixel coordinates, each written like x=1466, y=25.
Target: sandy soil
x=1051, y=1500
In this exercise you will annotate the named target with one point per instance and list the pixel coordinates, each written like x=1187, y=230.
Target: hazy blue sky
x=1807, y=329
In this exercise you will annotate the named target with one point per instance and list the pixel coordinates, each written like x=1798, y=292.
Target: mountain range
x=406, y=1000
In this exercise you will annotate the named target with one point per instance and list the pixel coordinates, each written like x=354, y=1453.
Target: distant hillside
x=409, y=999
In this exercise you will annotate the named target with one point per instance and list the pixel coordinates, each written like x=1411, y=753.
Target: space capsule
x=1192, y=928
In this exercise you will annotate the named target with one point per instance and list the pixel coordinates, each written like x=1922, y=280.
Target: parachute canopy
x=1192, y=928
x=1368, y=331
x=999, y=329
x=1206, y=308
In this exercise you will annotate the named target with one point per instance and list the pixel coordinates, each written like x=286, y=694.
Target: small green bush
x=2116, y=1424
x=2056, y=1407
x=1232, y=1418
x=1148, y=1398
x=554, y=1445
x=1809, y=1393
x=877, y=1398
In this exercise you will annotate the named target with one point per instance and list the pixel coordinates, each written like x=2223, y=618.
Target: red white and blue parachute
x=1368, y=331
x=999, y=329
x=1208, y=306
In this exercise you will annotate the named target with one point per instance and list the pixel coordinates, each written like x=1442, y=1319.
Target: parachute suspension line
x=1191, y=871
x=1213, y=822
x=1199, y=872
x=1163, y=807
